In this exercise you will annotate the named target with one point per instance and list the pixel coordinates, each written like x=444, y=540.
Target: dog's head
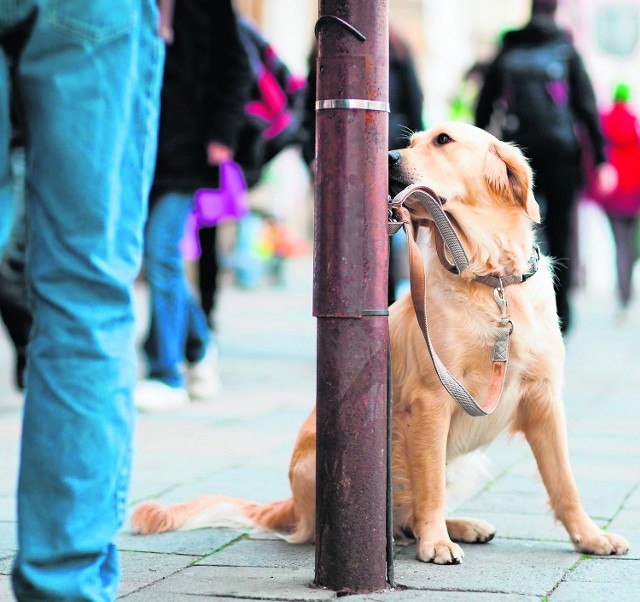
x=465, y=166
x=484, y=184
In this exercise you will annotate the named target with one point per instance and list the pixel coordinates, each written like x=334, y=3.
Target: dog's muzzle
x=396, y=181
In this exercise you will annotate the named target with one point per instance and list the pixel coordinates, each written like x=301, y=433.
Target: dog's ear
x=509, y=176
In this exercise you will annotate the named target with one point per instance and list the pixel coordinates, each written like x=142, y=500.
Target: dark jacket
x=405, y=94
x=207, y=79
x=543, y=31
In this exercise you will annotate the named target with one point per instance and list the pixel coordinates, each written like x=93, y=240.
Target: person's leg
x=14, y=304
x=208, y=272
x=558, y=184
x=629, y=252
x=89, y=76
x=6, y=179
x=198, y=336
x=174, y=312
x=632, y=250
x=621, y=230
x=203, y=382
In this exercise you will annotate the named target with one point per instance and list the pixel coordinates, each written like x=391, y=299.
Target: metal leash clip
x=395, y=217
x=501, y=300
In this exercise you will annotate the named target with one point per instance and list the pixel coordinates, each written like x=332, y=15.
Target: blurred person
x=271, y=122
x=538, y=92
x=622, y=132
x=406, y=103
x=87, y=77
x=464, y=102
x=14, y=304
x=206, y=84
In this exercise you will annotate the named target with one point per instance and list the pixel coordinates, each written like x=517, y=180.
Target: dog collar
x=446, y=238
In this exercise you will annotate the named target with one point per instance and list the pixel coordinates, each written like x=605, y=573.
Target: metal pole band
x=352, y=103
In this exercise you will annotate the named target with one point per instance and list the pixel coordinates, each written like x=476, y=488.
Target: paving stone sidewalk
x=240, y=445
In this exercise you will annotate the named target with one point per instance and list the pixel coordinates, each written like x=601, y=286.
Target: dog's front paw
x=601, y=543
x=440, y=552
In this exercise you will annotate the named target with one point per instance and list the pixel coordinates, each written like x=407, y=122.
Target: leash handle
x=417, y=277
x=446, y=233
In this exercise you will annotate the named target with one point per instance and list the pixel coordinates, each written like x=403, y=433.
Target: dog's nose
x=394, y=158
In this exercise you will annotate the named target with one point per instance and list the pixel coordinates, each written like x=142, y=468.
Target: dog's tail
x=223, y=511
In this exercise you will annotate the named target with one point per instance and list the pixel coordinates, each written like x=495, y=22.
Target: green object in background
x=622, y=92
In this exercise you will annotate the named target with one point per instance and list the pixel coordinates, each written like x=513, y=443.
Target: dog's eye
x=443, y=139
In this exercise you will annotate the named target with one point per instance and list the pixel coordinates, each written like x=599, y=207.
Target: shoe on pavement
x=155, y=396
x=203, y=382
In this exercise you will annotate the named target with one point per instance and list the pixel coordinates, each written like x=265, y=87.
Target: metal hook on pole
x=345, y=24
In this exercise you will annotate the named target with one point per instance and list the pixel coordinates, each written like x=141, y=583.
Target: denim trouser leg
x=89, y=76
x=175, y=316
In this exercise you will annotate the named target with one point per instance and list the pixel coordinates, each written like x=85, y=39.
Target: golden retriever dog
x=485, y=185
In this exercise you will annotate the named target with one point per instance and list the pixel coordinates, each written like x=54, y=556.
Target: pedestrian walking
x=537, y=93
x=622, y=132
x=206, y=84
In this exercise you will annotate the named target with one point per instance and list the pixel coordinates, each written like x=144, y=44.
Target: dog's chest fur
x=463, y=328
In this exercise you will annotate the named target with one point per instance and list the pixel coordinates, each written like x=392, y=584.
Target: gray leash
x=400, y=218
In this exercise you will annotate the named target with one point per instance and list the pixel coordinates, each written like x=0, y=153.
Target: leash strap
x=419, y=297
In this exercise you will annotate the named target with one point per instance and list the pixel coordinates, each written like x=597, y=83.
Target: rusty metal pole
x=350, y=294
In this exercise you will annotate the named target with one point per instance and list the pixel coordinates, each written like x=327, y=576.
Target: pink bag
x=213, y=205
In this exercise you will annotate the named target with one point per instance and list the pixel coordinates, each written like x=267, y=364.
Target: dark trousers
x=15, y=308
x=208, y=272
x=625, y=233
x=557, y=187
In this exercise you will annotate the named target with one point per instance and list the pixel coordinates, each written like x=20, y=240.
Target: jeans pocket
x=93, y=21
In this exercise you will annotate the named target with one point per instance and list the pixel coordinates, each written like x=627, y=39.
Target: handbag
x=214, y=205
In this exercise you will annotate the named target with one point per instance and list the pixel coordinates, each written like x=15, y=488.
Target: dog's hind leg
x=541, y=419
x=470, y=530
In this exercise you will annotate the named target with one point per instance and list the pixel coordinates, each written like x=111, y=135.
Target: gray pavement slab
x=5, y=588
x=600, y=579
x=501, y=566
x=440, y=596
x=198, y=542
x=627, y=523
x=140, y=569
x=235, y=582
x=8, y=537
x=592, y=592
x=264, y=553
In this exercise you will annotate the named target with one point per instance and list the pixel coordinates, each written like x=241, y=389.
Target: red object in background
x=622, y=132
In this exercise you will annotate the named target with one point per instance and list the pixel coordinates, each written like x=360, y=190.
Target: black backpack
x=273, y=115
x=535, y=104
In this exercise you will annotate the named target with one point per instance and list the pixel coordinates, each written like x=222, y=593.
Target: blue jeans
x=178, y=328
x=89, y=75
